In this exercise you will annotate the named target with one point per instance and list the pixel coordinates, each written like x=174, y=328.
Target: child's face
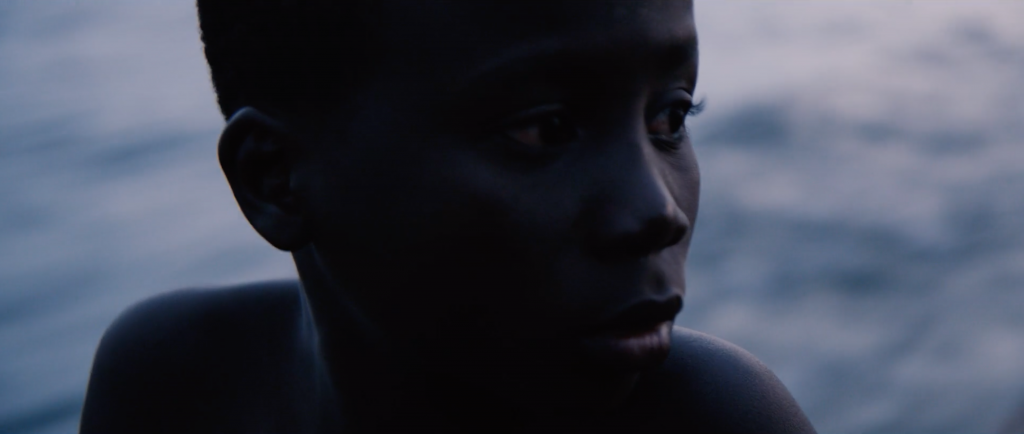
x=514, y=176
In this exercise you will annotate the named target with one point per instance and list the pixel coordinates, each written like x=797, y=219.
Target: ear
x=257, y=157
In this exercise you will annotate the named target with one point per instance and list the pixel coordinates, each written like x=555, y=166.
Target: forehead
x=457, y=38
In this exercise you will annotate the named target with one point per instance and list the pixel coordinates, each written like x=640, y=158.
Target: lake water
x=860, y=229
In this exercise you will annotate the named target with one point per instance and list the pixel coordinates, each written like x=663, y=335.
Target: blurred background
x=860, y=230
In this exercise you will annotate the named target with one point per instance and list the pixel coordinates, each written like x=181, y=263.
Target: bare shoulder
x=710, y=385
x=183, y=359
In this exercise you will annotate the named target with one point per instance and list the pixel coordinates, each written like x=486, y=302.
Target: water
x=863, y=179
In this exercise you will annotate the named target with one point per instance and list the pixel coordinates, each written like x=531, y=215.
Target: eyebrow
x=540, y=62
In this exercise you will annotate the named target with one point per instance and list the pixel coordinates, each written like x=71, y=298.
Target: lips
x=637, y=338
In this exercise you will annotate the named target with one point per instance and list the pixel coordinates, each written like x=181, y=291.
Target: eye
x=669, y=123
x=544, y=131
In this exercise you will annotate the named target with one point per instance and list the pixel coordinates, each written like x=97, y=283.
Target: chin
x=580, y=392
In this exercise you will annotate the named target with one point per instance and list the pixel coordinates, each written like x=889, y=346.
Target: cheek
x=499, y=241
x=442, y=243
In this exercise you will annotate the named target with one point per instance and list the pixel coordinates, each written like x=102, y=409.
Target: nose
x=635, y=213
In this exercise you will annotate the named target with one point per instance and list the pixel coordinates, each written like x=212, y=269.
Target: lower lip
x=632, y=351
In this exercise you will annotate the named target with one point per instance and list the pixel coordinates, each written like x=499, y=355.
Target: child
x=489, y=204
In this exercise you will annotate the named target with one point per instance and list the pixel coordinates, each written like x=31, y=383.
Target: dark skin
x=513, y=177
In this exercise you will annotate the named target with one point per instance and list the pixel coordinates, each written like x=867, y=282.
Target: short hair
x=284, y=56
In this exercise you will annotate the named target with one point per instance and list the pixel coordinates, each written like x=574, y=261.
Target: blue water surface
x=860, y=220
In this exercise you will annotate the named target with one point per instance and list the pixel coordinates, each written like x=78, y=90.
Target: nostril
x=677, y=235
x=651, y=236
x=665, y=231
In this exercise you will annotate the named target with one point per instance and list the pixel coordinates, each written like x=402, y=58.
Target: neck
x=378, y=389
